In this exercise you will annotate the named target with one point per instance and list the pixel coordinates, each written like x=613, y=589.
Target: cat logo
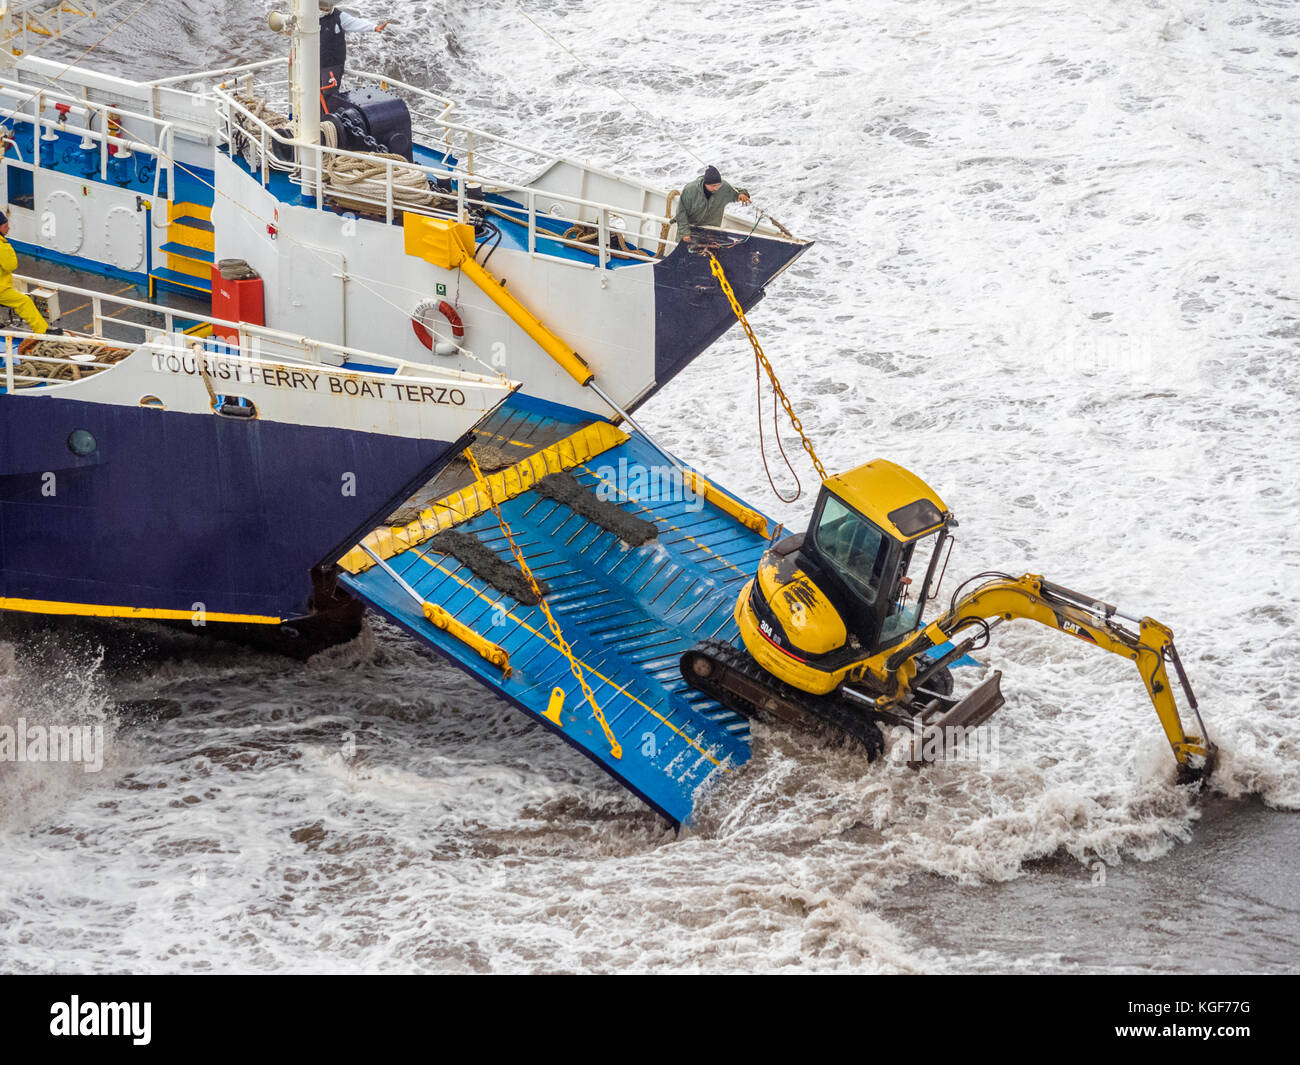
x=1065, y=625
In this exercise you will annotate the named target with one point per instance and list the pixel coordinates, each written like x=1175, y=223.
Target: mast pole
x=304, y=76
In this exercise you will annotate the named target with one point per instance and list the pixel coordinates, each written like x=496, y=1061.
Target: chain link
x=716, y=267
x=615, y=749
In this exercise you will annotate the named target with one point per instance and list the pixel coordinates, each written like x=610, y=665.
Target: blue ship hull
x=173, y=509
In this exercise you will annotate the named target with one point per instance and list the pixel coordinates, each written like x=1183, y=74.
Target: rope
x=585, y=234
x=762, y=360
x=248, y=140
x=776, y=431
x=365, y=180
x=668, y=220
x=30, y=360
x=615, y=749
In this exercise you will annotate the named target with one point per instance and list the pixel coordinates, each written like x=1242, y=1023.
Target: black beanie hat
x=711, y=175
x=3, y=218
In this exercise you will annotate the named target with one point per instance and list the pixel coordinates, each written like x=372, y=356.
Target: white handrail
x=265, y=133
x=248, y=335
x=643, y=234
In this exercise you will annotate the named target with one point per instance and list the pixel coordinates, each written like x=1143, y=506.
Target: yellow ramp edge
x=566, y=454
x=748, y=517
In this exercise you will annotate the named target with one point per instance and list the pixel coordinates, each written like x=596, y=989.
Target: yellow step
x=187, y=209
x=182, y=264
x=193, y=231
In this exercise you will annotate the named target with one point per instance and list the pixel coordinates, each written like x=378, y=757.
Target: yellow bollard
x=554, y=707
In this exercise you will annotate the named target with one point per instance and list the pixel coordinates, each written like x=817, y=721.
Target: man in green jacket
x=702, y=202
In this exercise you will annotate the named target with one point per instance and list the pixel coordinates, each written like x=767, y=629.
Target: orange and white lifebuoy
x=422, y=321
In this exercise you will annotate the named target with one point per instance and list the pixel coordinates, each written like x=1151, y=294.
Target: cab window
x=909, y=598
x=855, y=548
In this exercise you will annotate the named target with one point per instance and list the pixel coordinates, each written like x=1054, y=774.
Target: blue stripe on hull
x=77, y=262
x=174, y=509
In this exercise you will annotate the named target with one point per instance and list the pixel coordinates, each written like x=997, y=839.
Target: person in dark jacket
x=703, y=200
x=335, y=25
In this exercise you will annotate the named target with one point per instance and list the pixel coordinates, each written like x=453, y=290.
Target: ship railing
x=109, y=322
x=31, y=370
x=642, y=225
x=501, y=162
x=146, y=135
x=166, y=100
x=645, y=234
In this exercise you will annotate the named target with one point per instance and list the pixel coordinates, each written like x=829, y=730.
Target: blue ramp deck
x=628, y=613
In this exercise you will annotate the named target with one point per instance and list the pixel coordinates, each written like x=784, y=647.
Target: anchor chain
x=762, y=359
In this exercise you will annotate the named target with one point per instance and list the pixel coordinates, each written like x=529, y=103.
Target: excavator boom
x=1146, y=643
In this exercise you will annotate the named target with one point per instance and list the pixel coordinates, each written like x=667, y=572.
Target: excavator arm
x=902, y=674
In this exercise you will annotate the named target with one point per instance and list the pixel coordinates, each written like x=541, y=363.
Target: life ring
x=420, y=319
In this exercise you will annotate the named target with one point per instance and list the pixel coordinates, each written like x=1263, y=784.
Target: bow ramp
x=638, y=561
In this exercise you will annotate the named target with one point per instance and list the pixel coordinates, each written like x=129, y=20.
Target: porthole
x=81, y=443
x=153, y=402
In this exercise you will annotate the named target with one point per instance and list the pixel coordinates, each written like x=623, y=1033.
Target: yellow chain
x=758, y=354
x=615, y=749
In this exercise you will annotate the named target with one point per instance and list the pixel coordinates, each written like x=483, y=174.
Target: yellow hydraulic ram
x=450, y=245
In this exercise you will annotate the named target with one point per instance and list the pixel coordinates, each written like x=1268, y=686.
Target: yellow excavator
x=833, y=629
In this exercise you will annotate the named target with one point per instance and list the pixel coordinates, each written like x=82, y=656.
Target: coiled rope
x=247, y=138
x=31, y=360
x=364, y=182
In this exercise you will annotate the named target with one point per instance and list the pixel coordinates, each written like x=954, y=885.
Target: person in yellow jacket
x=10, y=296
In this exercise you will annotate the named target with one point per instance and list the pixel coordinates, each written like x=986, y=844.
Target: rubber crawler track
x=836, y=713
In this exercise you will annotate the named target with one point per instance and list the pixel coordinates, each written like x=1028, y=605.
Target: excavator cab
x=852, y=585
x=879, y=577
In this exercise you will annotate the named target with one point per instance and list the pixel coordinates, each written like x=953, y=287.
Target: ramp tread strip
x=639, y=659
x=646, y=510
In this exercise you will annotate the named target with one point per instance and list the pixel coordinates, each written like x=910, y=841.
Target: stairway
x=189, y=250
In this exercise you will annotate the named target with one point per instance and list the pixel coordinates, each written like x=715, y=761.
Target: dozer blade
x=976, y=708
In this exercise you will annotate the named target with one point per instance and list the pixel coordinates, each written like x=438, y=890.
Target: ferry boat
x=387, y=224
x=156, y=182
